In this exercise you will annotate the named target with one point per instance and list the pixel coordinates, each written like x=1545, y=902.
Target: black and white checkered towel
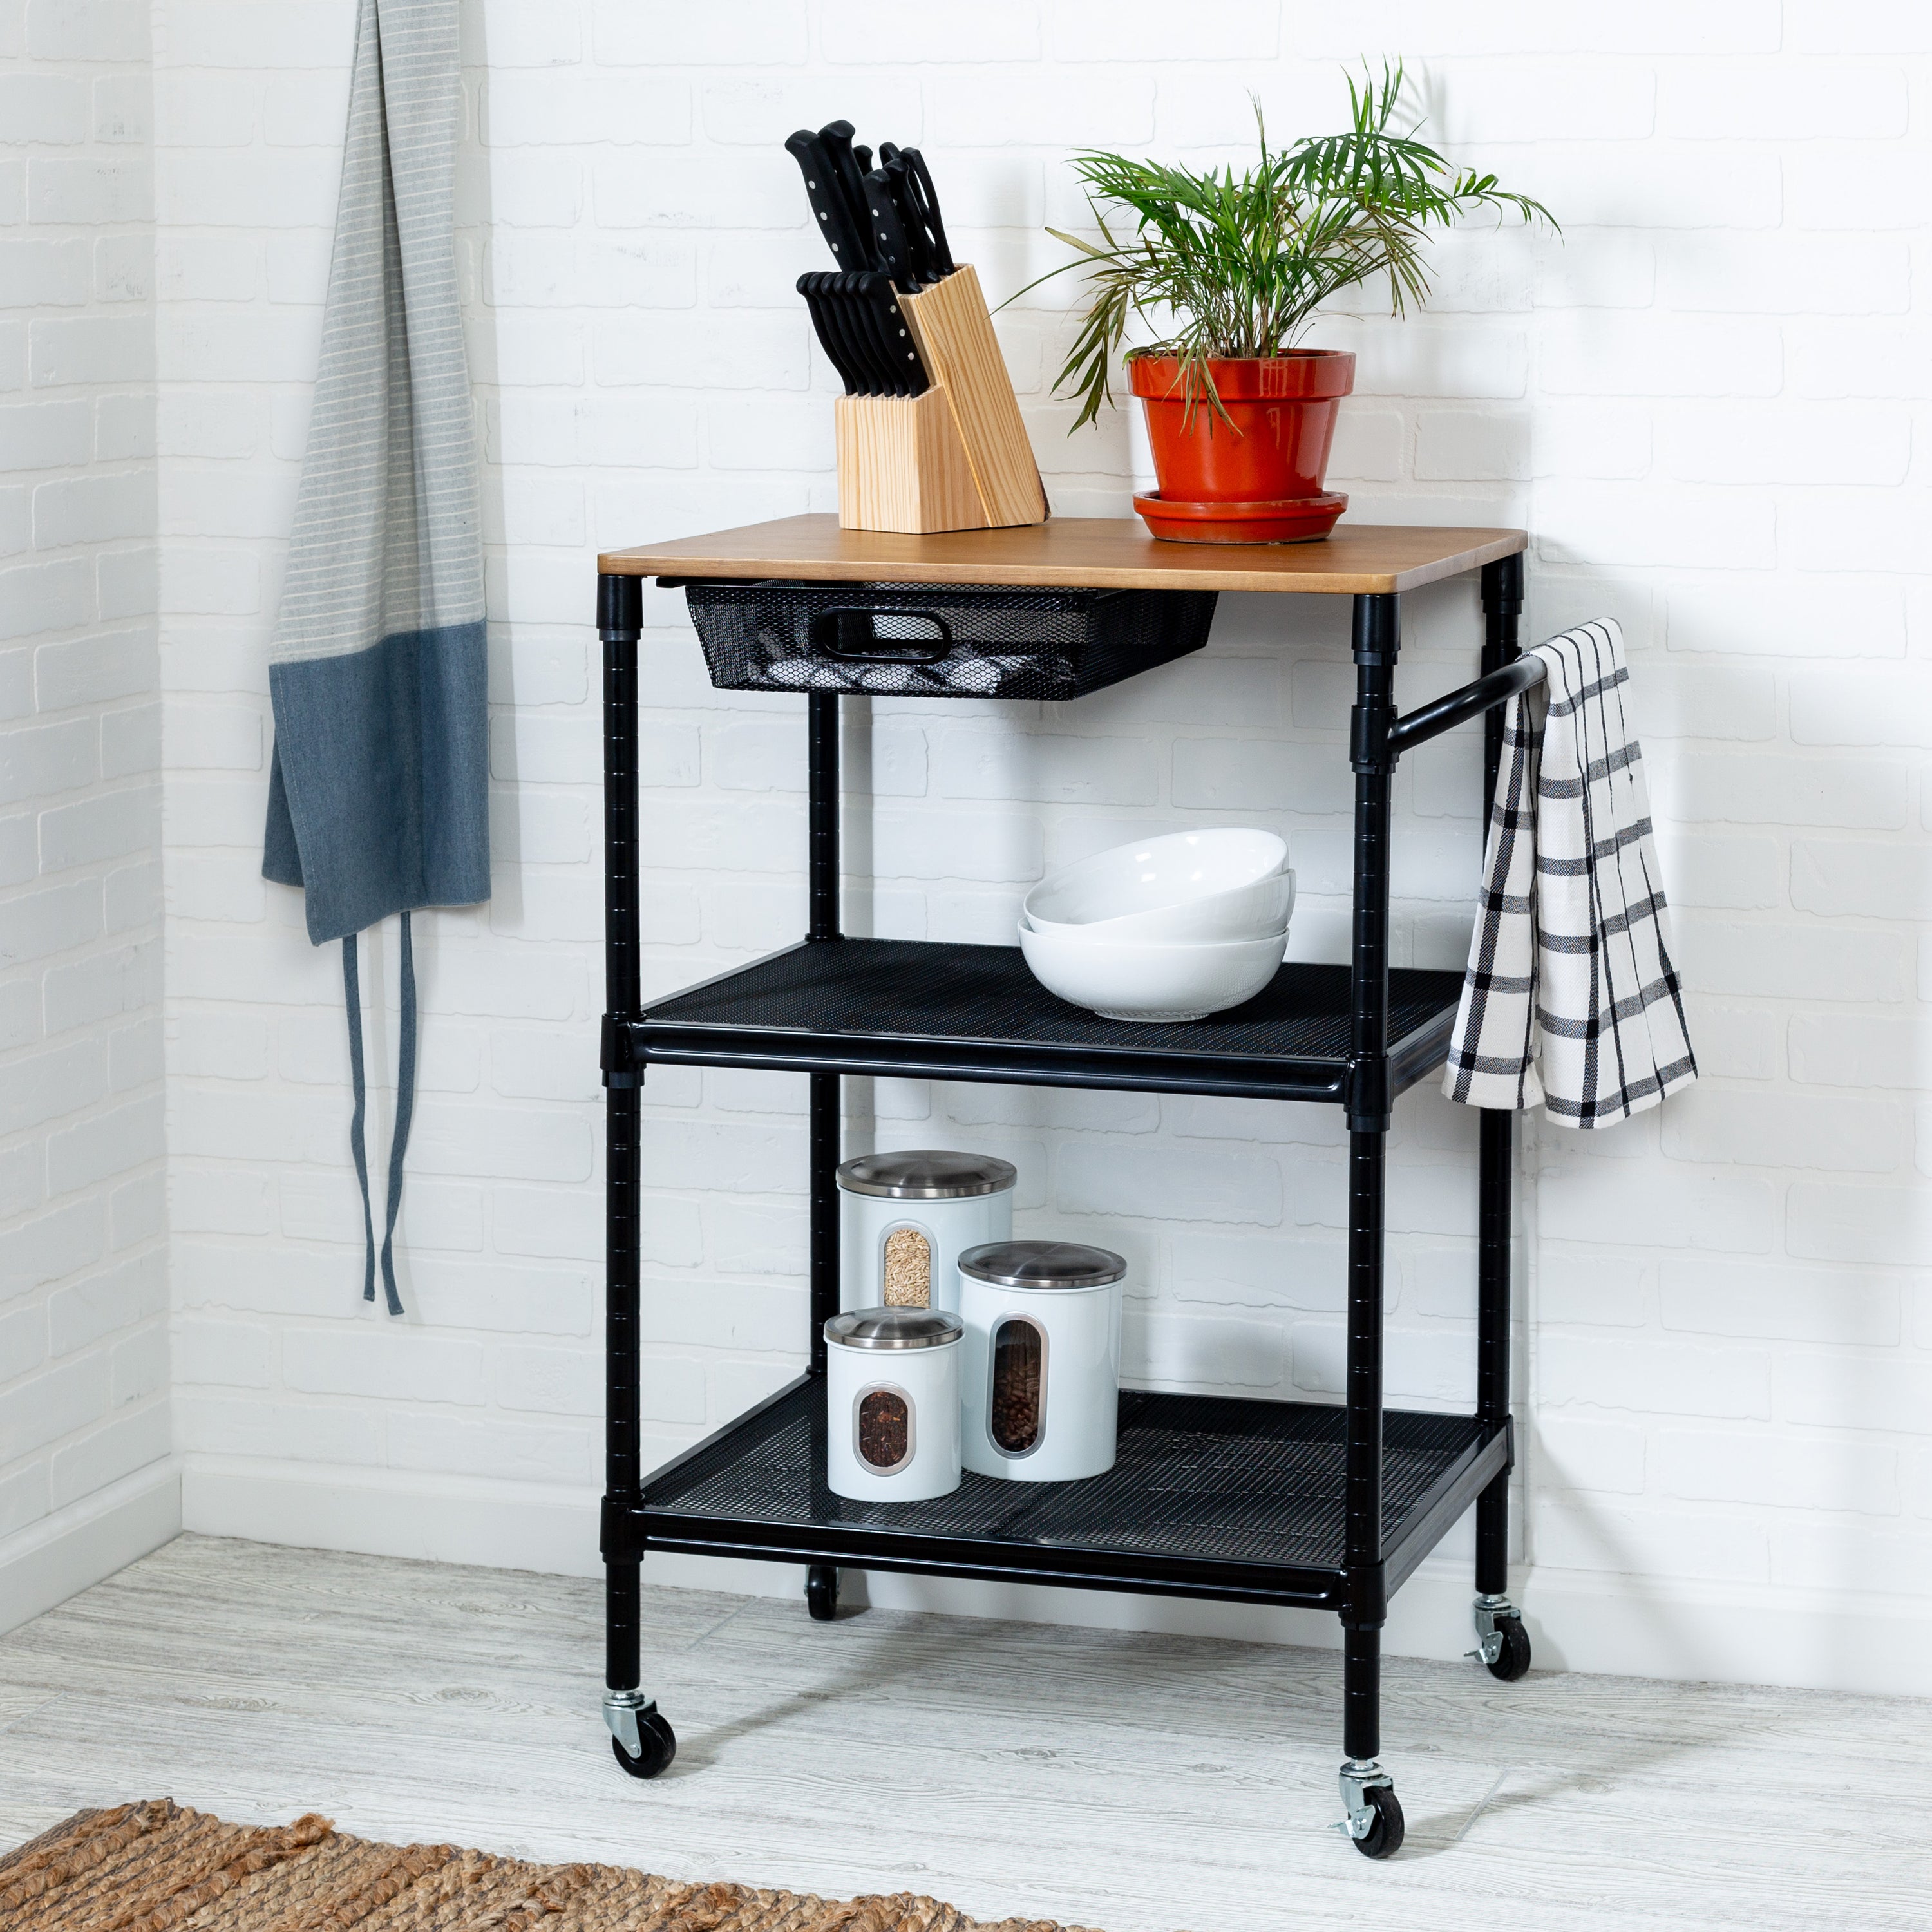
x=1572, y=997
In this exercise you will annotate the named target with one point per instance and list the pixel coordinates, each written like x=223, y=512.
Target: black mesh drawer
x=940, y=640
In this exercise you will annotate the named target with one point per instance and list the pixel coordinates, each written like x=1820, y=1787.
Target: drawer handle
x=852, y=631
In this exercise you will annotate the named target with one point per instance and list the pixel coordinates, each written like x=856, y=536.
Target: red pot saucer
x=1293, y=519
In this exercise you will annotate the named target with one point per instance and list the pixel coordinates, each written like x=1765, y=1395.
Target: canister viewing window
x=908, y=1269
x=884, y=1422
x=1018, y=1385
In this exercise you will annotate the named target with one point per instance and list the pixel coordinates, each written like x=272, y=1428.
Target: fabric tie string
x=405, y=1103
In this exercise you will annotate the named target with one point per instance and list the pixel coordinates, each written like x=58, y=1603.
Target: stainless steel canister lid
x=893, y=1328
x=1043, y=1264
x=927, y=1174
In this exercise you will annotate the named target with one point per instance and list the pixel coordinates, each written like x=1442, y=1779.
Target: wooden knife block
x=956, y=458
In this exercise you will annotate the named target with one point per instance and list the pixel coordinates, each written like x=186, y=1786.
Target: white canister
x=1040, y=1384
x=891, y=1404
x=905, y=1218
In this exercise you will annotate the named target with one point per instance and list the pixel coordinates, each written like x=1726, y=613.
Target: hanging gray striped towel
x=377, y=792
x=1572, y=998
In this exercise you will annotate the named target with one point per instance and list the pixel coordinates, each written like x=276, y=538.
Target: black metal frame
x=1375, y=1069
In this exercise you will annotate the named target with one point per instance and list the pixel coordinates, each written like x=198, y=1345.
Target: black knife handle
x=888, y=235
x=808, y=286
x=835, y=137
x=872, y=368
x=912, y=223
x=908, y=371
x=847, y=242
x=940, y=248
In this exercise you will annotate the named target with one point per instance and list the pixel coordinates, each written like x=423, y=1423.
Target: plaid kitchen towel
x=1571, y=998
x=377, y=789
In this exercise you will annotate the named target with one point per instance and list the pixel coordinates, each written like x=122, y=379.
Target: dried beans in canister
x=1016, y=1391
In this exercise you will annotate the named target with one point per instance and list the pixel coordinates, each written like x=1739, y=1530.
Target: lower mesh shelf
x=1199, y=1479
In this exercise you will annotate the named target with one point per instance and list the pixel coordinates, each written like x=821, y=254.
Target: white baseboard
x=87, y=1542
x=496, y=1526
x=1623, y=1626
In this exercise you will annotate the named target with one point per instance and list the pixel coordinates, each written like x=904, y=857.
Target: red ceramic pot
x=1269, y=449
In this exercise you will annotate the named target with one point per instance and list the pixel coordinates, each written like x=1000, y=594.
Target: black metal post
x=1502, y=621
x=619, y=620
x=1377, y=641
x=1502, y=628
x=822, y=871
x=822, y=868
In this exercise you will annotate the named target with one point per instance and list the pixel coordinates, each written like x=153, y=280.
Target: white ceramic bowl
x=1152, y=980
x=1180, y=870
x=1247, y=912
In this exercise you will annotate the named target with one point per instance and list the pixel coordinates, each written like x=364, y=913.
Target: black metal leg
x=1502, y=633
x=1497, y=1156
x=1377, y=641
x=1367, y=1604
x=1361, y=1694
x=824, y=1140
x=822, y=865
x=821, y=859
x=1502, y=620
x=619, y=620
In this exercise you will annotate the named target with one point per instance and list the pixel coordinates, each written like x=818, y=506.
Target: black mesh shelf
x=1210, y=1496
x=921, y=1008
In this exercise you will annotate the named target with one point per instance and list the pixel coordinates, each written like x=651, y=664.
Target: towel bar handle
x=1471, y=700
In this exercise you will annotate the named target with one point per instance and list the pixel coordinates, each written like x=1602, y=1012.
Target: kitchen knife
x=846, y=238
x=889, y=248
x=863, y=155
x=836, y=138
x=877, y=293
x=940, y=248
x=862, y=327
x=852, y=331
x=912, y=222
x=828, y=337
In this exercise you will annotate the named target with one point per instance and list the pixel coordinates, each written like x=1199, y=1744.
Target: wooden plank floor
x=1134, y=1783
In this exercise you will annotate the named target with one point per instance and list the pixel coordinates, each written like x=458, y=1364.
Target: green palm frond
x=1222, y=265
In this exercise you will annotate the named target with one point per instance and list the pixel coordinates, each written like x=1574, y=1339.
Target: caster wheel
x=659, y=1743
x=1384, y=1837
x=821, y=1592
x=1513, y=1660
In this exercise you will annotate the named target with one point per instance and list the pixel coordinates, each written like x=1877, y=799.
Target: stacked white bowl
x=1169, y=928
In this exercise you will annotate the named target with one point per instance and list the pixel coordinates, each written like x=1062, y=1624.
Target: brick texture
x=83, y=1276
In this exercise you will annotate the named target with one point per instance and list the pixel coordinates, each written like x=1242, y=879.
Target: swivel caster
x=821, y=1592
x=641, y=1739
x=1374, y=1820
x=1502, y=1642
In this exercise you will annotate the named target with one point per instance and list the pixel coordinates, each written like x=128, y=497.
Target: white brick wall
x=1702, y=400
x=83, y=1279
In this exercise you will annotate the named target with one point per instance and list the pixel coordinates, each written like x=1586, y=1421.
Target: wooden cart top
x=1074, y=552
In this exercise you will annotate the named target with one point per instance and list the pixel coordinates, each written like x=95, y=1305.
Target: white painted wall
x=85, y=1479
x=1702, y=402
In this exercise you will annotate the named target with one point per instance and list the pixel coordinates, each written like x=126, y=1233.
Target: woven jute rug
x=158, y=1866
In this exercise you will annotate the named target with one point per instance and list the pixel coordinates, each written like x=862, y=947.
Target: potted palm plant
x=1227, y=271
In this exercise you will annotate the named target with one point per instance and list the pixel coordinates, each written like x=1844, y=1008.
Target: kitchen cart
x=1314, y=1505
